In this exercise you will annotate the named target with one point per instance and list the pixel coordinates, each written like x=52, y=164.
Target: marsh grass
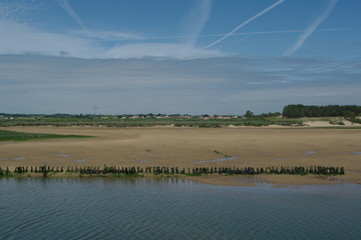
x=221, y=154
x=6, y=135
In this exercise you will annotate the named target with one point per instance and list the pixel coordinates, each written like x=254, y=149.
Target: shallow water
x=81, y=160
x=310, y=152
x=143, y=160
x=282, y=159
x=62, y=155
x=171, y=208
x=19, y=158
x=218, y=159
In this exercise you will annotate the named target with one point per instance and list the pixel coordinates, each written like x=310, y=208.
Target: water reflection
x=174, y=208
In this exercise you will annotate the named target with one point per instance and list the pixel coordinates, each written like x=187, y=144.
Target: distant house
x=223, y=117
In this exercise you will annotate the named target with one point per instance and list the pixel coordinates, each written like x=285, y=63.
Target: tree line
x=299, y=110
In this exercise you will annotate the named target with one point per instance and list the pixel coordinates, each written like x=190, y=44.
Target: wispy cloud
x=162, y=50
x=20, y=11
x=249, y=33
x=324, y=15
x=66, y=6
x=195, y=21
x=245, y=23
x=18, y=38
x=105, y=35
x=281, y=31
x=207, y=85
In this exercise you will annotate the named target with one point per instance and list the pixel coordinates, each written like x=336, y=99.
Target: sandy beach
x=195, y=147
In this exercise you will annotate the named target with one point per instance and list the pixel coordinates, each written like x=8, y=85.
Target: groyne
x=114, y=171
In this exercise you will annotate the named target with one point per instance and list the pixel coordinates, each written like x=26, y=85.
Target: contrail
x=252, y=33
x=244, y=23
x=331, y=5
x=66, y=6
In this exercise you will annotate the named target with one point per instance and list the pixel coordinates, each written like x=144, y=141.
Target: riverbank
x=194, y=147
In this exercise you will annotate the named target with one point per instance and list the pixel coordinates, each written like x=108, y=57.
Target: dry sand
x=195, y=147
x=328, y=124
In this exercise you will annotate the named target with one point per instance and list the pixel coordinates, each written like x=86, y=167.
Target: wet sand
x=196, y=147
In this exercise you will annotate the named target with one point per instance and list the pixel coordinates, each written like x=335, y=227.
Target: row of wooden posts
x=179, y=171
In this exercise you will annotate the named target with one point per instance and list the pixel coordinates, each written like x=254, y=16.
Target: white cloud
x=108, y=35
x=18, y=38
x=245, y=23
x=301, y=40
x=19, y=10
x=206, y=85
x=69, y=10
x=194, y=23
x=162, y=50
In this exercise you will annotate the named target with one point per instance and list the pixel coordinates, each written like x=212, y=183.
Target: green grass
x=6, y=135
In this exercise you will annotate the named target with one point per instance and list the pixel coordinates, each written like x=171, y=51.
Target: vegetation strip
x=147, y=122
x=299, y=110
x=288, y=117
x=46, y=171
x=6, y=135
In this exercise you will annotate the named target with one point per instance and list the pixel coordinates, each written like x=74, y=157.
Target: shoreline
x=241, y=181
x=274, y=180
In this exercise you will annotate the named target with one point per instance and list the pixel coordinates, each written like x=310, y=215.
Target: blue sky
x=177, y=56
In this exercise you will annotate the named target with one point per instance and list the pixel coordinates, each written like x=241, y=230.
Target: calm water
x=174, y=209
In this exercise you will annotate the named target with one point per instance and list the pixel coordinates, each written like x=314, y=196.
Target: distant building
x=223, y=117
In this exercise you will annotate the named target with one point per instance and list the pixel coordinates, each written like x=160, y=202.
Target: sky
x=177, y=56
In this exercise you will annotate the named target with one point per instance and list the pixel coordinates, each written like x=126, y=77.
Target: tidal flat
x=186, y=147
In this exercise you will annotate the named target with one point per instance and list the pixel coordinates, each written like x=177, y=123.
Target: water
x=218, y=159
x=310, y=152
x=81, y=160
x=15, y=158
x=145, y=208
x=19, y=158
x=62, y=155
x=143, y=160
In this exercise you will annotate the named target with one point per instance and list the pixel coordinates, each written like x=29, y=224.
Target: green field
x=143, y=122
x=21, y=136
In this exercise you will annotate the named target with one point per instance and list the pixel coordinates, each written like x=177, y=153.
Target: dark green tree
x=249, y=114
